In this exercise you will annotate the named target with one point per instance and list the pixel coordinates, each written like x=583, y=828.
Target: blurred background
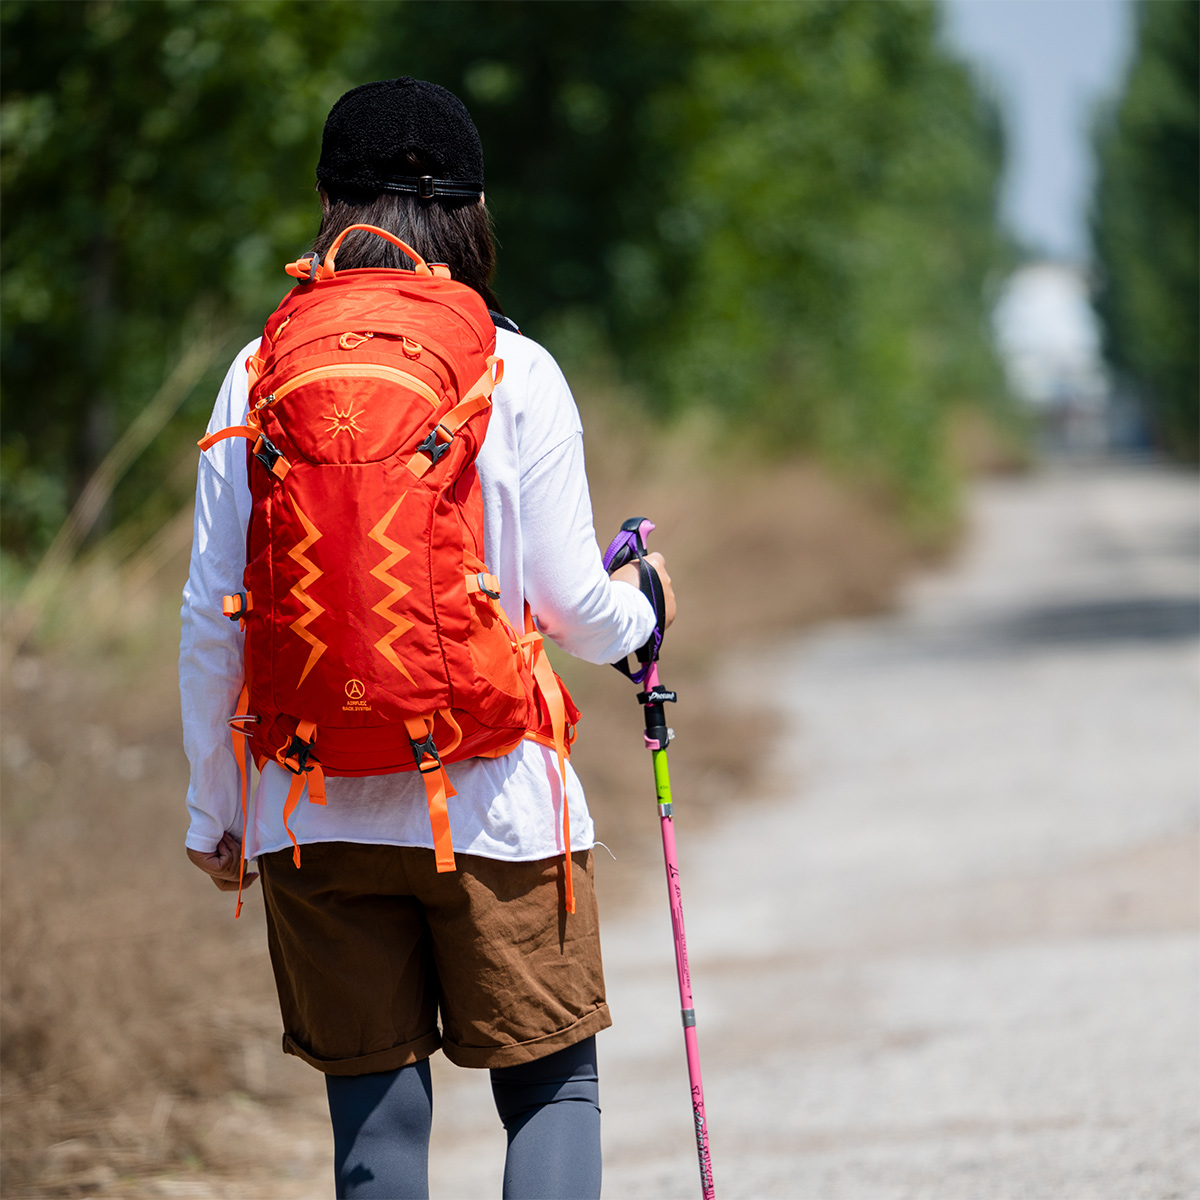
x=844, y=290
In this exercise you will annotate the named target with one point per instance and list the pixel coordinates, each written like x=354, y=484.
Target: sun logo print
x=343, y=422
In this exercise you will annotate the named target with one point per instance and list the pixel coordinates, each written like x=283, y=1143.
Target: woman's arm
x=210, y=663
x=573, y=599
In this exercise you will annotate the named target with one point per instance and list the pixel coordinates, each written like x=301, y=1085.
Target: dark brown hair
x=456, y=232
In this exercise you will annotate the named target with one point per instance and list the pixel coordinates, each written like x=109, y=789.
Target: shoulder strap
x=502, y=322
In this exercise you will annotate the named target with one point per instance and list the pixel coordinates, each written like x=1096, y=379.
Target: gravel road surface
x=952, y=954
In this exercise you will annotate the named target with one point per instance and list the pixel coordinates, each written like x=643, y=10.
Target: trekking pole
x=630, y=546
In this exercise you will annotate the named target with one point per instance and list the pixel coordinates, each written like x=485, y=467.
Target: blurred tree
x=781, y=211
x=839, y=186
x=1146, y=223
x=157, y=165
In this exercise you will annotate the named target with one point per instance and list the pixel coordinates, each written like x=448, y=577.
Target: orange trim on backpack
x=354, y=370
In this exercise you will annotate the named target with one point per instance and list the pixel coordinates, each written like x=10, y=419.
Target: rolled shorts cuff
x=392, y=1059
x=515, y=1053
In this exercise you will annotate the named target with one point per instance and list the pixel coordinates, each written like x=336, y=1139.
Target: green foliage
x=838, y=188
x=781, y=211
x=1146, y=223
x=157, y=165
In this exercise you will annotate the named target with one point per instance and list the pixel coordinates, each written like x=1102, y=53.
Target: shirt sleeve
x=571, y=596
x=210, y=650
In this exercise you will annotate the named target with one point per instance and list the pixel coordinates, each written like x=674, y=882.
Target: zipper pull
x=351, y=341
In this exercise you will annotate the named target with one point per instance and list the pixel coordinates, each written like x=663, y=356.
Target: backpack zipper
x=352, y=371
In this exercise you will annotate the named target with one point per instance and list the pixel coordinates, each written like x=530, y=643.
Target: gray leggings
x=550, y=1109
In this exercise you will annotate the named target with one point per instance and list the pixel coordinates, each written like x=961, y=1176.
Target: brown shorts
x=368, y=943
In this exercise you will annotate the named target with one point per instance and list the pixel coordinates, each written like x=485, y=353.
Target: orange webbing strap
x=258, y=360
x=448, y=717
x=241, y=751
x=278, y=465
x=482, y=584
x=437, y=789
x=547, y=682
x=246, y=431
x=316, y=784
x=296, y=760
x=236, y=607
x=475, y=401
x=289, y=807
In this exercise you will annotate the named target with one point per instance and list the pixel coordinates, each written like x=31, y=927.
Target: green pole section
x=662, y=778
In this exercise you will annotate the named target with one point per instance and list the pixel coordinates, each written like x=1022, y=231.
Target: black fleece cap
x=372, y=128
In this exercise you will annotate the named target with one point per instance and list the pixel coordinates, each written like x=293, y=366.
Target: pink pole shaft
x=662, y=782
x=685, y=1003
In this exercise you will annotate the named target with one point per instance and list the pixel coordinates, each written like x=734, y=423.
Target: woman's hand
x=221, y=864
x=631, y=573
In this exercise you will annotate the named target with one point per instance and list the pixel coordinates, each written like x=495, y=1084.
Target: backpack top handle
x=309, y=270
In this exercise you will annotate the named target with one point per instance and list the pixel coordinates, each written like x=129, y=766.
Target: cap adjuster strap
x=426, y=187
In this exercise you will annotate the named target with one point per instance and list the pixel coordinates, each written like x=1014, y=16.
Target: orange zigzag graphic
x=301, y=623
x=399, y=589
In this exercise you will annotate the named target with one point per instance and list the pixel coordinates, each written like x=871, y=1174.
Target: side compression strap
x=241, y=752
x=476, y=400
x=437, y=784
x=543, y=674
x=547, y=684
x=263, y=448
x=295, y=758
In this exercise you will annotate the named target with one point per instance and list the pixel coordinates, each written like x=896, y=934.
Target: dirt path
x=955, y=956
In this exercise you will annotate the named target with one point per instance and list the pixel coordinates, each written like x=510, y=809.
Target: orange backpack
x=374, y=637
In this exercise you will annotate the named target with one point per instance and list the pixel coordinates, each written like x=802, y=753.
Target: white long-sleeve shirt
x=540, y=542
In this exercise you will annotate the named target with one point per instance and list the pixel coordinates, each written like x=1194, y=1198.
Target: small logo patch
x=356, y=692
x=344, y=422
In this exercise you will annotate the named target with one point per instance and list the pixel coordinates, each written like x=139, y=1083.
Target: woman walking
x=380, y=957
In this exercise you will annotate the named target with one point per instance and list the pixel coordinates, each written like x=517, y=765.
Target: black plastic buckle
x=241, y=612
x=267, y=452
x=425, y=187
x=423, y=750
x=483, y=587
x=433, y=447
x=298, y=750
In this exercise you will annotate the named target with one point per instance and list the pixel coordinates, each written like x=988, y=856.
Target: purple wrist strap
x=630, y=546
